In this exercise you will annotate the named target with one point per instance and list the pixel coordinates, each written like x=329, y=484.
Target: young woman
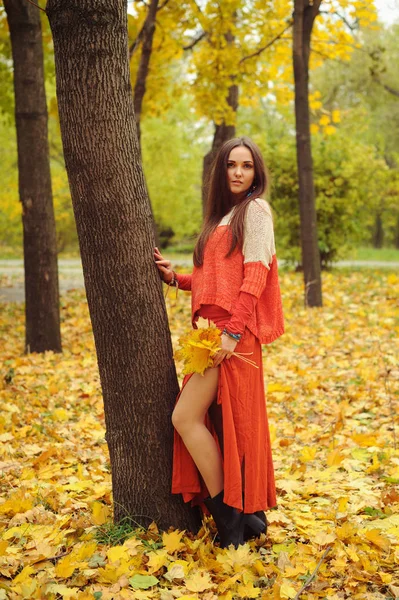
x=222, y=456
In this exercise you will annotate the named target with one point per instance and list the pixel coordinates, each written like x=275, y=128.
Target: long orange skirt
x=238, y=422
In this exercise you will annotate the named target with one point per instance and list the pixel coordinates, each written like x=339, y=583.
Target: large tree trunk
x=144, y=64
x=304, y=16
x=116, y=240
x=40, y=247
x=222, y=133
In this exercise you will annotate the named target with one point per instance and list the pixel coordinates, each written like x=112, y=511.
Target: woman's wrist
x=234, y=336
x=173, y=281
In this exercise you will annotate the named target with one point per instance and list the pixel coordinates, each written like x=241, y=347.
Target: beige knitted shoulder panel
x=259, y=242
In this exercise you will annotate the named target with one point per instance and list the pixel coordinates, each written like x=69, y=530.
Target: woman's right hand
x=164, y=266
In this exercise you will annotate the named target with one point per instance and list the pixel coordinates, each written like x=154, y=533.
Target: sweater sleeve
x=258, y=251
x=258, y=247
x=184, y=281
x=242, y=313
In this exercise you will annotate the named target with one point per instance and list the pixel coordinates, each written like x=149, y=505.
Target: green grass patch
x=365, y=253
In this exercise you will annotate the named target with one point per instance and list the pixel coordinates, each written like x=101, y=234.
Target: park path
x=71, y=275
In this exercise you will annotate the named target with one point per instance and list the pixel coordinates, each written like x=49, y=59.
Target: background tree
x=305, y=14
x=114, y=226
x=42, y=315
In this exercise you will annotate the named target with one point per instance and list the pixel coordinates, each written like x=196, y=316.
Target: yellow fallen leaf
x=248, y=590
x=335, y=458
x=308, y=453
x=62, y=590
x=3, y=547
x=100, y=513
x=117, y=553
x=172, y=541
x=323, y=539
x=23, y=575
x=199, y=581
x=175, y=571
x=65, y=567
x=375, y=537
x=259, y=568
x=287, y=591
x=157, y=559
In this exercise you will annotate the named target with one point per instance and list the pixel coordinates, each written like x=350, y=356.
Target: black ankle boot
x=230, y=523
x=249, y=532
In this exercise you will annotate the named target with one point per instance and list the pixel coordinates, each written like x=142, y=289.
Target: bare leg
x=188, y=419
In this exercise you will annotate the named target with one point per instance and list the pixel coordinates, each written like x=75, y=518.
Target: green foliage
x=173, y=149
x=351, y=183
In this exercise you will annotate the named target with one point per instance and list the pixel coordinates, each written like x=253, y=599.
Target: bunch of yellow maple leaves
x=332, y=398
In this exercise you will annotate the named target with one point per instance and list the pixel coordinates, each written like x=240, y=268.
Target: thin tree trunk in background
x=144, y=64
x=222, y=133
x=396, y=234
x=378, y=234
x=147, y=35
x=42, y=313
x=304, y=16
x=115, y=230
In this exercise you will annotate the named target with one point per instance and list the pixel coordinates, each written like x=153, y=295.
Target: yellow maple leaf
x=197, y=349
x=62, y=590
x=117, y=553
x=199, y=581
x=375, y=537
x=308, y=453
x=287, y=591
x=65, y=567
x=3, y=547
x=172, y=541
x=248, y=590
x=157, y=559
x=323, y=539
x=100, y=513
x=24, y=575
x=335, y=458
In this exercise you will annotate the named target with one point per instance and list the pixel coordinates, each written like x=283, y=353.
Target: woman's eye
x=229, y=164
x=248, y=166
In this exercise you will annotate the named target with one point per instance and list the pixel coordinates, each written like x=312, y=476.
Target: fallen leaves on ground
x=333, y=386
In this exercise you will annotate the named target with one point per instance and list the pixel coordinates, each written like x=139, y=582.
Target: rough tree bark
x=116, y=240
x=42, y=315
x=304, y=15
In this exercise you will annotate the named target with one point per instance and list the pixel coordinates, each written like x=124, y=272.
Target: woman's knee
x=180, y=420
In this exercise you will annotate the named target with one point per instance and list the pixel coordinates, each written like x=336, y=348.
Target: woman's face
x=240, y=170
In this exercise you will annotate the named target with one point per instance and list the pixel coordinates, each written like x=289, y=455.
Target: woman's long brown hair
x=220, y=200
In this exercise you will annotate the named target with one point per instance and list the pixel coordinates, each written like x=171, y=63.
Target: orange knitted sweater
x=220, y=280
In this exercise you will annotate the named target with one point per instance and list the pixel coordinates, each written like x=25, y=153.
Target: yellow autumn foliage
x=332, y=386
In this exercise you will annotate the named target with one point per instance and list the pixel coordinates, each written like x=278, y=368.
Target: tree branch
x=134, y=45
x=37, y=6
x=386, y=87
x=195, y=41
x=316, y=8
x=309, y=581
x=277, y=37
